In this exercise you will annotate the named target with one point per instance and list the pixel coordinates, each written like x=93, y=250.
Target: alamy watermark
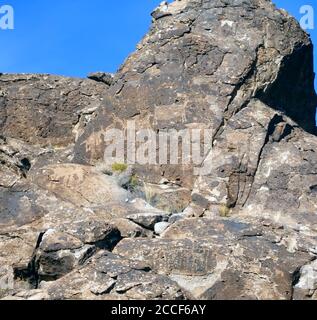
x=148, y=147
x=6, y=17
x=307, y=20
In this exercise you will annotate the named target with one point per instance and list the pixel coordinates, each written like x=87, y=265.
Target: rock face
x=72, y=227
x=246, y=89
x=44, y=109
x=252, y=264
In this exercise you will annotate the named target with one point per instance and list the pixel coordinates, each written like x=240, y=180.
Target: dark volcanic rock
x=107, y=276
x=245, y=230
x=44, y=109
x=220, y=259
x=106, y=78
x=253, y=90
x=184, y=69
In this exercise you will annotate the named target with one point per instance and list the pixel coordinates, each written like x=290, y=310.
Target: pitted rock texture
x=107, y=276
x=44, y=109
x=255, y=90
x=192, y=253
x=73, y=227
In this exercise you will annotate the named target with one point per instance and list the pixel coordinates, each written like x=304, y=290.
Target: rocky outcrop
x=251, y=265
x=253, y=87
x=44, y=109
x=107, y=276
x=73, y=227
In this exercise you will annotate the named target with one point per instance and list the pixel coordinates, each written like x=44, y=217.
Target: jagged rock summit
x=72, y=227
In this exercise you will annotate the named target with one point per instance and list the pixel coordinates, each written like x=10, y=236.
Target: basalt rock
x=252, y=264
x=107, y=277
x=44, y=109
x=106, y=78
x=255, y=91
x=73, y=227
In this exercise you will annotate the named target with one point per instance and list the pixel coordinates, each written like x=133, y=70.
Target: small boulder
x=104, y=77
x=160, y=227
x=148, y=219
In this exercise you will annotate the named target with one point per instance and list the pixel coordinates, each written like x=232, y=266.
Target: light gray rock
x=306, y=286
x=160, y=227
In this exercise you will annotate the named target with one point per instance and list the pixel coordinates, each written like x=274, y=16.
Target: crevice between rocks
x=277, y=119
x=30, y=274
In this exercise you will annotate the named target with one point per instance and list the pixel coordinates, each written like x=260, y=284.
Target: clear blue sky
x=75, y=37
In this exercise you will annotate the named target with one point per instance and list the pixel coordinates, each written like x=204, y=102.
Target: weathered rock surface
x=81, y=185
x=72, y=227
x=254, y=87
x=222, y=259
x=44, y=109
x=108, y=276
x=106, y=78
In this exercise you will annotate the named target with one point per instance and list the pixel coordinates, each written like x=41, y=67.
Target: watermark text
x=6, y=17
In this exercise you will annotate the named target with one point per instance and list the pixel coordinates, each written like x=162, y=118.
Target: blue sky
x=75, y=37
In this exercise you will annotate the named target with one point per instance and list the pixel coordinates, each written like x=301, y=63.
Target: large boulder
x=184, y=75
x=81, y=185
x=254, y=91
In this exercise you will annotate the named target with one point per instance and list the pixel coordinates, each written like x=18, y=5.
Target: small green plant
x=119, y=167
x=224, y=211
x=132, y=184
x=134, y=181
